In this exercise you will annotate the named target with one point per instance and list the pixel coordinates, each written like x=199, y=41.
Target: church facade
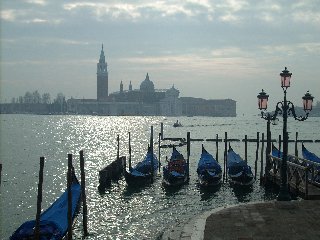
x=146, y=100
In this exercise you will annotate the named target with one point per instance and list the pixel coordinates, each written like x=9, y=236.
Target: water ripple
x=121, y=212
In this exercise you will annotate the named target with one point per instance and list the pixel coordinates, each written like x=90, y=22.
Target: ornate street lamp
x=285, y=78
x=285, y=108
x=307, y=102
x=263, y=100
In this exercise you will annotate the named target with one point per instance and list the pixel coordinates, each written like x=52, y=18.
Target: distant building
x=146, y=100
x=214, y=108
x=143, y=101
x=171, y=105
x=145, y=94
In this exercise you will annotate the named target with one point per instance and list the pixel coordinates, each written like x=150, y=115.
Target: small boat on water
x=53, y=221
x=209, y=170
x=145, y=171
x=238, y=170
x=314, y=158
x=177, y=124
x=176, y=172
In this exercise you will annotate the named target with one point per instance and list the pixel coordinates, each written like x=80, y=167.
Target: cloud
x=8, y=15
x=47, y=63
x=43, y=21
x=307, y=17
x=196, y=64
x=233, y=5
x=37, y=2
x=229, y=17
x=144, y=9
x=312, y=48
x=45, y=41
x=229, y=51
x=226, y=11
x=28, y=16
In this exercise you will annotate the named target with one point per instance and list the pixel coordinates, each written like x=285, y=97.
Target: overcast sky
x=210, y=49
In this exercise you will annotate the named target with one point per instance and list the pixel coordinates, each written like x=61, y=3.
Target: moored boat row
x=176, y=171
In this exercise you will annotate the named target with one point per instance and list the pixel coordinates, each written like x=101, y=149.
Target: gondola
x=276, y=152
x=279, y=154
x=238, y=171
x=53, y=221
x=145, y=171
x=309, y=155
x=209, y=170
x=314, y=158
x=176, y=171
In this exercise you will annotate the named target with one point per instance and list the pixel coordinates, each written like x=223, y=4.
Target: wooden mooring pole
x=268, y=152
x=69, y=182
x=151, y=146
x=0, y=172
x=257, y=156
x=159, y=152
x=130, y=167
x=39, y=200
x=261, y=156
x=217, y=147
x=118, y=148
x=246, y=148
x=161, y=130
x=296, y=145
x=188, y=154
x=225, y=156
x=83, y=195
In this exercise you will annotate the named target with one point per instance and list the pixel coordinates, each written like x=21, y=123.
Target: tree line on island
x=35, y=102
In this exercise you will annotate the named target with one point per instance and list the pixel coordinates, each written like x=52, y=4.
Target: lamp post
x=263, y=101
x=285, y=108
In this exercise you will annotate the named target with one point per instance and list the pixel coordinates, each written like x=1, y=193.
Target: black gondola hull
x=170, y=180
x=243, y=180
x=205, y=180
x=134, y=180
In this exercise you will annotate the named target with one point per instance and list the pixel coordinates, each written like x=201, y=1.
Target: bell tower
x=102, y=78
x=121, y=87
x=130, y=86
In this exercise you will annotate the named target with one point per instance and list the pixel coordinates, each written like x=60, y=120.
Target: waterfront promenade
x=272, y=220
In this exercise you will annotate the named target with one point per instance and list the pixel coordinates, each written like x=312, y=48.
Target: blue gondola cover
x=54, y=220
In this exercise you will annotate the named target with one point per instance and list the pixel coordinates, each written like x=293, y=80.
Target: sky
x=215, y=49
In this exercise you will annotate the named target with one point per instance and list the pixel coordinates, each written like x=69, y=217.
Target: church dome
x=147, y=85
x=172, y=92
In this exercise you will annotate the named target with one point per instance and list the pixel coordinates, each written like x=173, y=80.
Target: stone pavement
x=253, y=221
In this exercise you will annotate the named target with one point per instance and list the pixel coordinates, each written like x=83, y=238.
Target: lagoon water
x=121, y=212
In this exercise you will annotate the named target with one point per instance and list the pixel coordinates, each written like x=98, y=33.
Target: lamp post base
x=284, y=194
